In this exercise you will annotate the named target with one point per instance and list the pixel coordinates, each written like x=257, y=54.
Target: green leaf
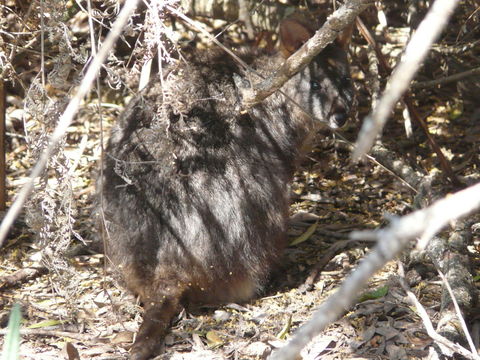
x=286, y=329
x=306, y=235
x=375, y=294
x=12, y=339
x=46, y=323
x=456, y=111
x=213, y=339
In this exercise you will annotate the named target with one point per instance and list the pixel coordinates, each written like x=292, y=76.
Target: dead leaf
x=72, y=352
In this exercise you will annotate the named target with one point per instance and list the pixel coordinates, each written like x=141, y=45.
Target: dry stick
x=42, y=45
x=415, y=53
x=428, y=324
x=447, y=79
x=3, y=172
x=459, y=313
x=21, y=276
x=67, y=116
x=93, y=45
x=54, y=333
x=391, y=240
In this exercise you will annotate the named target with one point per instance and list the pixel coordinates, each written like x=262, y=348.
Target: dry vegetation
x=52, y=264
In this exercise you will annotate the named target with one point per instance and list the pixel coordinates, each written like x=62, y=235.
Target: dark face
x=326, y=88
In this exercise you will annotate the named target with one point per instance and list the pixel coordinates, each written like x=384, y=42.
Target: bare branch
x=459, y=314
x=416, y=51
x=56, y=333
x=391, y=240
x=469, y=74
x=3, y=173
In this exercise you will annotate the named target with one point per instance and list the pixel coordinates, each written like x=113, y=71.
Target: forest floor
x=81, y=313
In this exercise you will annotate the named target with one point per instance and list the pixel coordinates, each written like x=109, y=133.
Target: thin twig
x=42, y=43
x=3, y=170
x=54, y=333
x=469, y=74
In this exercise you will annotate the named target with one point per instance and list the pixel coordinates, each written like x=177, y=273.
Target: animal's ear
x=293, y=34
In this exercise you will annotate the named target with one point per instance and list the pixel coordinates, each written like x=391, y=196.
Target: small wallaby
x=196, y=192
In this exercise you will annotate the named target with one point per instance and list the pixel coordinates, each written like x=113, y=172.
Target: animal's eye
x=315, y=85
